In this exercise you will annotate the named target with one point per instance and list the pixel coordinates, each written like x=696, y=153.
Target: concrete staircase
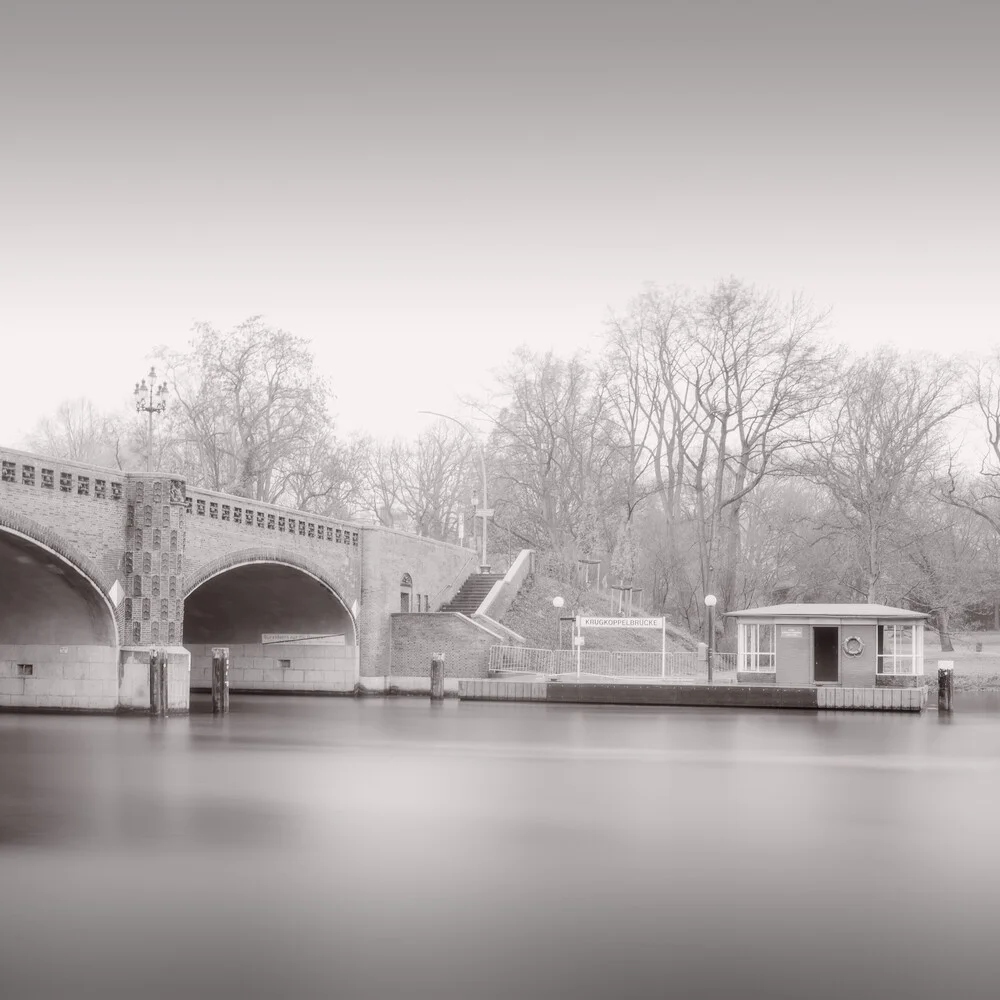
x=472, y=593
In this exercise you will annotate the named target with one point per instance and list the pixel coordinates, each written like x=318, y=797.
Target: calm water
x=369, y=848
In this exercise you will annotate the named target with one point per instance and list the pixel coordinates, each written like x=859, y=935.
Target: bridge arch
x=248, y=557
x=284, y=619
x=28, y=530
x=59, y=637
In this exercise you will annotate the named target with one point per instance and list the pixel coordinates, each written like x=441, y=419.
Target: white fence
x=609, y=663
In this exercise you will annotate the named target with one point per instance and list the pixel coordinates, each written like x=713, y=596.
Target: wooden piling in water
x=164, y=686
x=946, y=685
x=154, y=684
x=157, y=682
x=220, y=680
x=437, y=677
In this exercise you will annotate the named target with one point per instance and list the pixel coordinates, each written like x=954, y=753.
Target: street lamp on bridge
x=484, y=512
x=150, y=399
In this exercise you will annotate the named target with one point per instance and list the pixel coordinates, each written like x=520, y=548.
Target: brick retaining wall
x=417, y=637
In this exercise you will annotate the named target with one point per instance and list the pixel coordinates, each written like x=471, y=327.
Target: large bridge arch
x=285, y=622
x=59, y=635
x=45, y=538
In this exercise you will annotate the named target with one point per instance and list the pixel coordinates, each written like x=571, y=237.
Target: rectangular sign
x=584, y=622
x=302, y=640
x=791, y=631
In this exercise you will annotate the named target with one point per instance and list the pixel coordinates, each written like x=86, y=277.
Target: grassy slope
x=973, y=671
x=533, y=616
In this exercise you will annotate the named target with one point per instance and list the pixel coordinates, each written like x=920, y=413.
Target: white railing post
x=663, y=647
x=577, y=643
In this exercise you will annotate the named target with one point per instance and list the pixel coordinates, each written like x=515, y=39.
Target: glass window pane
x=904, y=640
x=766, y=639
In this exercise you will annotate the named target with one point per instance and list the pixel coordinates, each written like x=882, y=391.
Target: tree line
x=719, y=442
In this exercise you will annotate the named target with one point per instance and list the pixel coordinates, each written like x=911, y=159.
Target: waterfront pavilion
x=851, y=645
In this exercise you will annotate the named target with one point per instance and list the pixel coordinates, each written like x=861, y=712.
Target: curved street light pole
x=482, y=512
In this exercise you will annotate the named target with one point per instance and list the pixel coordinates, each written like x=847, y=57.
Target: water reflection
x=369, y=848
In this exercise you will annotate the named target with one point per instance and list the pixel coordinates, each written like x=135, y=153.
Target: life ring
x=853, y=646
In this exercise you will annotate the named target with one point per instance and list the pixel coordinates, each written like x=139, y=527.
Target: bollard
x=164, y=687
x=157, y=682
x=437, y=677
x=220, y=680
x=946, y=684
x=154, y=683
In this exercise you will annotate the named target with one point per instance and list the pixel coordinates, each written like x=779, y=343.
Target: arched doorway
x=286, y=630
x=58, y=636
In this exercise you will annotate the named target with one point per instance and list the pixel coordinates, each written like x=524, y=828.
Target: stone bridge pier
x=98, y=568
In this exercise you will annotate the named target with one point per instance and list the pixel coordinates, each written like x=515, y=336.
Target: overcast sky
x=419, y=187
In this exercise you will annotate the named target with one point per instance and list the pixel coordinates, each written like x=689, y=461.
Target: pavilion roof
x=827, y=611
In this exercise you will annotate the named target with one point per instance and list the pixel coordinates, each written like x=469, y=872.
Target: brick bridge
x=97, y=566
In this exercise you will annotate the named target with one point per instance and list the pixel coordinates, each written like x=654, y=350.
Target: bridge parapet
x=60, y=476
x=221, y=528
x=67, y=501
x=268, y=517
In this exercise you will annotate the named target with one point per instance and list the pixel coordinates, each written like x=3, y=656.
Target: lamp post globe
x=557, y=603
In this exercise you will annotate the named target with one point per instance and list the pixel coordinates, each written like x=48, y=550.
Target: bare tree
x=942, y=570
x=249, y=413
x=436, y=475
x=80, y=432
x=555, y=466
x=759, y=373
x=979, y=493
x=880, y=448
x=422, y=485
x=327, y=481
x=712, y=391
x=380, y=466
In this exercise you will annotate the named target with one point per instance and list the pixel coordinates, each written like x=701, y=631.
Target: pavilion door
x=826, y=654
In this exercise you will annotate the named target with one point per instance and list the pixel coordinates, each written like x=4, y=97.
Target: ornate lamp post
x=144, y=403
x=710, y=604
x=484, y=512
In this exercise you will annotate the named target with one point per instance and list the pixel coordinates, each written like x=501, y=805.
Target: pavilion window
x=900, y=649
x=756, y=648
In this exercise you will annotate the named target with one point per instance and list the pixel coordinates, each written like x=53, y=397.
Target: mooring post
x=154, y=683
x=220, y=680
x=946, y=684
x=161, y=666
x=157, y=682
x=437, y=677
